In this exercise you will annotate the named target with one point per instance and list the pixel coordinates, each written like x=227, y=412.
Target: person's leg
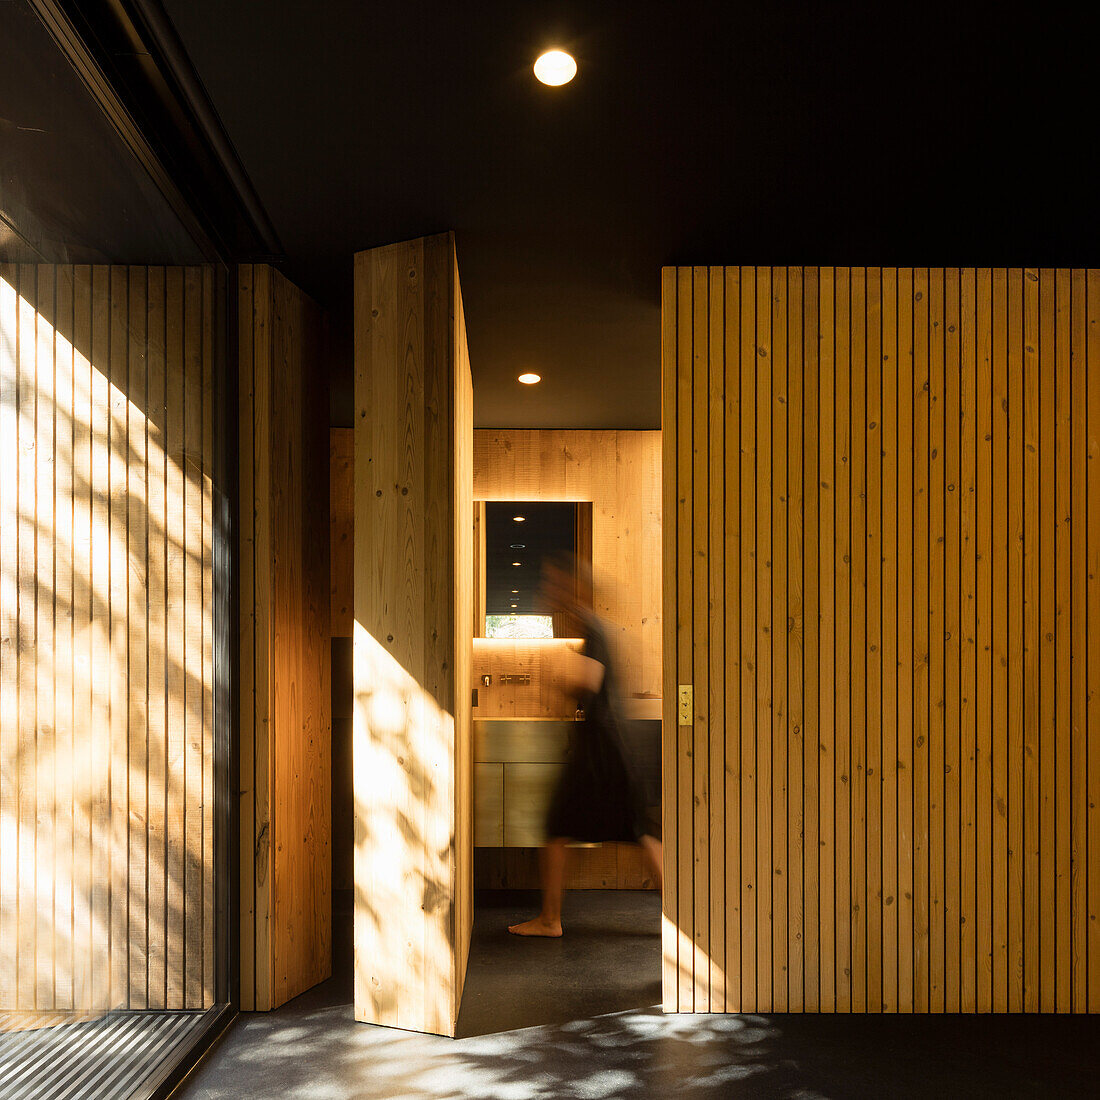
x=552, y=868
x=651, y=847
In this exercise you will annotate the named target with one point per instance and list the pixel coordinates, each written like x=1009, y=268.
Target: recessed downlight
x=517, y=563
x=518, y=546
x=555, y=68
x=518, y=519
x=529, y=378
x=515, y=591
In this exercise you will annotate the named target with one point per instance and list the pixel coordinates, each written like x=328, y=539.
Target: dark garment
x=597, y=797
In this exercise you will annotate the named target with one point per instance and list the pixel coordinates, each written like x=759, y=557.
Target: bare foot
x=537, y=926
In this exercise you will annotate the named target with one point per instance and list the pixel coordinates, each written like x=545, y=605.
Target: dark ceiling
x=764, y=133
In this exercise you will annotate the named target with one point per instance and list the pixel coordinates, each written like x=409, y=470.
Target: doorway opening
x=525, y=722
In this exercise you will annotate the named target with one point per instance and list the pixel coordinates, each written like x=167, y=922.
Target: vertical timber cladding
x=285, y=769
x=885, y=485
x=413, y=630
x=106, y=637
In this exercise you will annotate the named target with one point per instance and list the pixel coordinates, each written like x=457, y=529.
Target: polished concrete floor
x=575, y=1018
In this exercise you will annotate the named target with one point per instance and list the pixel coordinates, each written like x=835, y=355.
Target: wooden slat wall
x=413, y=616
x=106, y=637
x=886, y=563
x=285, y=812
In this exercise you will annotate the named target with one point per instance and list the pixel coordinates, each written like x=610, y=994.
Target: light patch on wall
x=114, y=678
x=685, y=961
x=404, y=819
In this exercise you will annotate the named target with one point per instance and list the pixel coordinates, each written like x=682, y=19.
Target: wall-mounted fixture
x=685, y=707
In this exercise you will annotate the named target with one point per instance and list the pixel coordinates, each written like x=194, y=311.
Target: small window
x=519, y=626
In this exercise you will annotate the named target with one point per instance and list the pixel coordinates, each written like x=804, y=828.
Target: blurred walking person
x=598, y=798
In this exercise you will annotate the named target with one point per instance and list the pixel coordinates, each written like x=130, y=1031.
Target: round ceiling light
x=555, y=67
x=530, y=378
x=517, y=563
x=518, y=519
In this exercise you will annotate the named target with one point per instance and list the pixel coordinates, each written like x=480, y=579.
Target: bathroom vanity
x=516, y=766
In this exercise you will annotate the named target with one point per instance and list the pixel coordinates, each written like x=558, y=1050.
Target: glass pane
x=111, y=930
x=519, y=626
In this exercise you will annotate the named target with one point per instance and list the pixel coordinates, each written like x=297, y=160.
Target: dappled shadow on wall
x=106, y=665
x=404, y=750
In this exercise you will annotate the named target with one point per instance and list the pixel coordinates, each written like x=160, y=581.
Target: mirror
x=511, y=541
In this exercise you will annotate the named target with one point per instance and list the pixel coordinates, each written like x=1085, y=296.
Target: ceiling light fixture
x=530, y=378
x=517, y=546
x=518, y=519
x=555, y=67
x=517, y=563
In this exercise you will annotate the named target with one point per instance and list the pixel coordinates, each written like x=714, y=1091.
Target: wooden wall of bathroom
x=620, y=473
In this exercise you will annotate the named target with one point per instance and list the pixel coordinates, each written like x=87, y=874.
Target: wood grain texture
x=541, y=661
x=285, y=862
x=907, y=594
x=619, y=472
x=413, y=631
x=600, y=867
x=105, y=652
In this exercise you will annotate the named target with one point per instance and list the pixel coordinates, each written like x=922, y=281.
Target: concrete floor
x=576, y=1018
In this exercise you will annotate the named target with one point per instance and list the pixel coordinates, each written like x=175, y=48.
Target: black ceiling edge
x=132, y=60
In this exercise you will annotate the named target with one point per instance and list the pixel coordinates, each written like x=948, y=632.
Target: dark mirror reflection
x=519, y=537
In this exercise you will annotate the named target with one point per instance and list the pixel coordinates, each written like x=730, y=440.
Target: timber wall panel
x=106, y=638
x=885, y=493
x=285, y=813
x=619, y=472
x=413, y=618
